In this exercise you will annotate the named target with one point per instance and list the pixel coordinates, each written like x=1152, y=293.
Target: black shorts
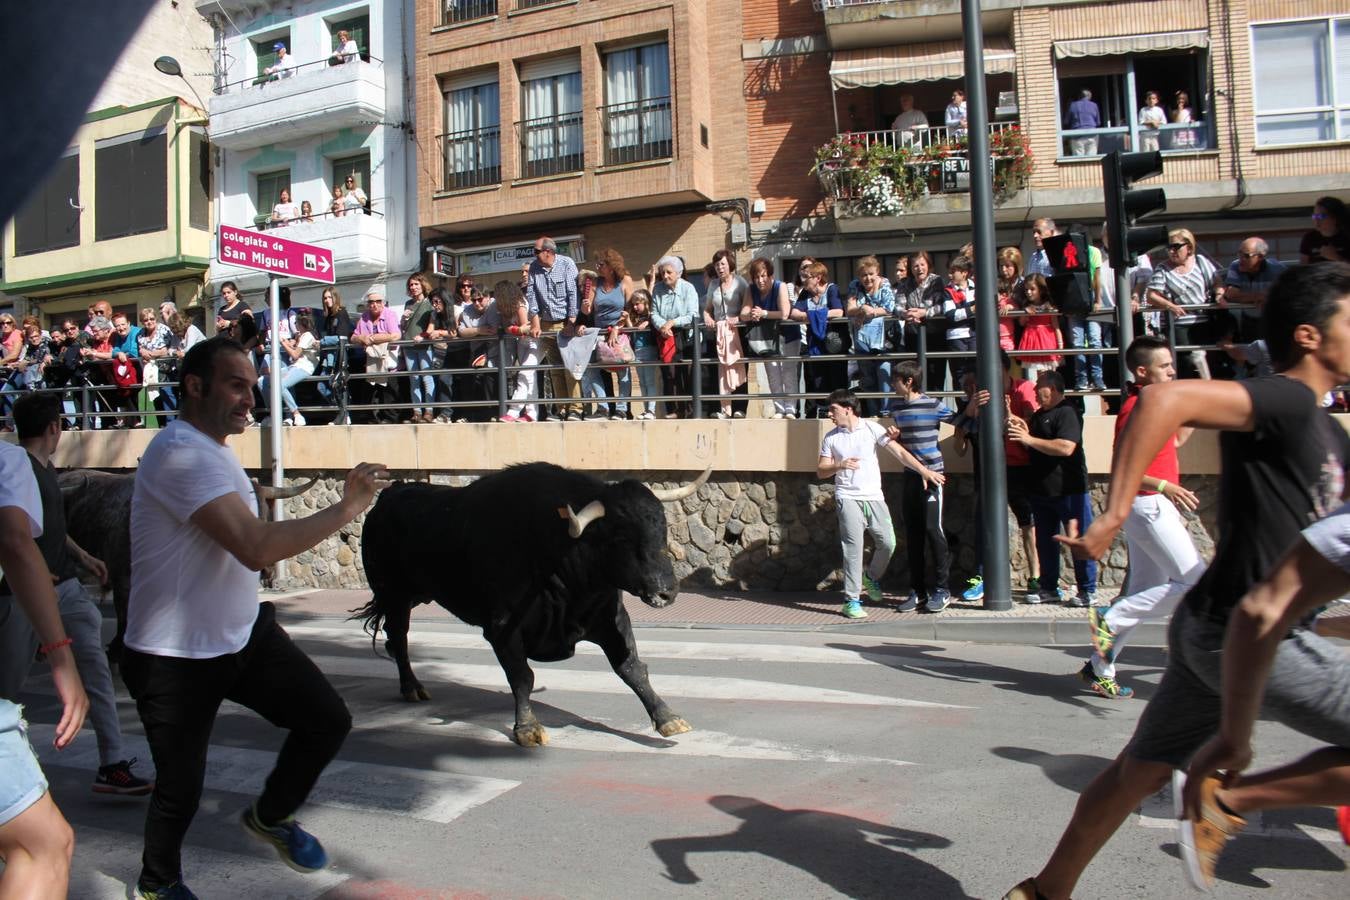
x=1018, y=502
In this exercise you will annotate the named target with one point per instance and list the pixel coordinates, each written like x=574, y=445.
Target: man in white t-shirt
x=849, y=453
x=196, y=633
x=35, y=840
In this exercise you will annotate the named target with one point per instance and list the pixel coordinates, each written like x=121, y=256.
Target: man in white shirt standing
x=849, y=453
x=196, y=633
x=910, y=121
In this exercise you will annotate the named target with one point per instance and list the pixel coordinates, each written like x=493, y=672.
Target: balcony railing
x=822, y=5
x=1091, y=142
x=471, y=158
x=456, y=11
x=550, y=145
x=637, y=131
x=531, y=4
x=925, y=138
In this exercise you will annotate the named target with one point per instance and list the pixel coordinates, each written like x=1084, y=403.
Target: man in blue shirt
x=551, y=297
x=1248, y=281
x=1083, y=113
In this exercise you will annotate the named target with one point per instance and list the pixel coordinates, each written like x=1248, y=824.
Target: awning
x=1132, y=43
x=908, y=63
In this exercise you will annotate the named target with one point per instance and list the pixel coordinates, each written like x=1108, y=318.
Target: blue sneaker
x=975, y=591
x=871, y=588
x=910, y=603
x=853, y=610
x=938, y=600
x=175, y=891
x=297, y=848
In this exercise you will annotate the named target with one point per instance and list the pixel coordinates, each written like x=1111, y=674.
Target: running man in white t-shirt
x=849, y=453
x=196, y=633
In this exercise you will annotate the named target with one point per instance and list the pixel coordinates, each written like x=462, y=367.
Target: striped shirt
x=918, y=419
x=1185, y=289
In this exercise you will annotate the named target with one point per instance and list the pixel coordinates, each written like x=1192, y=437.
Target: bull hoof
x=416, y=694
x=530, y=735
x=672, y=727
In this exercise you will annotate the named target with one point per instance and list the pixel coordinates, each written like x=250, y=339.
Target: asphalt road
x=821, y=764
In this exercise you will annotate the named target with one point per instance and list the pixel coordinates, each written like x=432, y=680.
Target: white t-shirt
x=18, y=485
x=864, y=482
x=190, y=597
x=309, y=352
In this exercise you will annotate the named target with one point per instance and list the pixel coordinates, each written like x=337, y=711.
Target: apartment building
x=602, y=123
x=1266, y=126
x=291, y=113
x=125, y=215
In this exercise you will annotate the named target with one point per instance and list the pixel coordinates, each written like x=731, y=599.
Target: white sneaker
x=297, y=419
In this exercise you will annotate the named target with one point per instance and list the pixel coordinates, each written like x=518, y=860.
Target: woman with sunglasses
x=1186, y=280
x=1329, y=238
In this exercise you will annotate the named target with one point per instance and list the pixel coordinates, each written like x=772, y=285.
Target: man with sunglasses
x=1247, y=281
x=551, y=297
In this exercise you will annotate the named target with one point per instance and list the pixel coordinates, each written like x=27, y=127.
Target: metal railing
x=471, y=158
x=295, y=72
x=925, y=138
x=1173, y=138
x=551, y=145
x=637, y=131
x=454, y=12
x=822, y=5
x=533, y=4
x=263, y=221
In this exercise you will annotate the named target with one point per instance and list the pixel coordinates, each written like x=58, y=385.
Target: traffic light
x=1124, y=207
x=1071, y=283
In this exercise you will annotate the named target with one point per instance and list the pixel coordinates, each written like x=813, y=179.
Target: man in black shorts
x=1283, y=467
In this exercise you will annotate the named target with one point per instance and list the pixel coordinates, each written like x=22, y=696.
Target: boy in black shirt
x=1283, y=467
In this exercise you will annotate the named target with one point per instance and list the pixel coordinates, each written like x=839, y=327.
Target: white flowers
x=879, y=197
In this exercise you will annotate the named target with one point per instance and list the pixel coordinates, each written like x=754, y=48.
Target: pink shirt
x=386, y=324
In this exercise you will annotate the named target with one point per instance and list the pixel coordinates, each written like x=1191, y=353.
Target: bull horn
x=679, y=493
x=577, y=521
x=267, y=494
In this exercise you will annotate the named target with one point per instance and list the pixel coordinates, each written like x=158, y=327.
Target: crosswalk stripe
x=432, y=796
x=699, y=687
x=647, y=648
x=1157, y=812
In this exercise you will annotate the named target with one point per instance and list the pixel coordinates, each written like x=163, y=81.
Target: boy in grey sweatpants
x=849, y=454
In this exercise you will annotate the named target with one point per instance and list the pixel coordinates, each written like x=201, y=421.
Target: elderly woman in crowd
x=727, y=293
x=153, y=346
x=767, y=301
x=674, y=308
x=1186, y=280
x=817, y=303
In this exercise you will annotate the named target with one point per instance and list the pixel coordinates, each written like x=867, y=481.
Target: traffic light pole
x=1124, y=323
x=989, y=367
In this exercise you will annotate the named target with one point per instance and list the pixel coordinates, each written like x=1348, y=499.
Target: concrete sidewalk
x=800, y=611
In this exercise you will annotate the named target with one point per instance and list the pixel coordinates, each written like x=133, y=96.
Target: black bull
x=536, y=556
x=98, y=518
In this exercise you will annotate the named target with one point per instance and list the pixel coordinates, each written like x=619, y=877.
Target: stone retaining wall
x=769, y=531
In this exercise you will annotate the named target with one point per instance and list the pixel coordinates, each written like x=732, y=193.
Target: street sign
x=263, y=252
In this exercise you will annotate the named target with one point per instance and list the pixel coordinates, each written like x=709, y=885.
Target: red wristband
x=55, y=645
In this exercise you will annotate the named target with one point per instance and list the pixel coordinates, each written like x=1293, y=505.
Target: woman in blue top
x=870, y=304
x=674, y=306
x=817, y=303
x=767, y=301
x=611, y=296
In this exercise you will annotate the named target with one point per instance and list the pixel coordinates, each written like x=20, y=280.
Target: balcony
x=459, y=12
x=358, y=241
x=639, y=131
x=1175, y=138
x=471, y=159
x=873, y=178
x=550, y=145
x=315, y=99
x=850, y=24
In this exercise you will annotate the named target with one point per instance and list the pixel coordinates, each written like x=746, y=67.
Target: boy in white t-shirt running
x=849, y=454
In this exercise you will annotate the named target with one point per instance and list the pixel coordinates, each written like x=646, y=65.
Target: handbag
x=763, y=339
x=836, y=339
x=618, y=354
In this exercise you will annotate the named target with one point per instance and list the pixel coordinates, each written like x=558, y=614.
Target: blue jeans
x=874, y=375
x=649, y=377
x=1085, y=333
x=420, y=359
x=290, y=377
x=1050, y=514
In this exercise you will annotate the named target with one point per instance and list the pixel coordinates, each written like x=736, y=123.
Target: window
x=637, y=104
x=550, y=134
x=131, y=185
x=1301, y=78
x=50, y=220
x=357, y=167
x=199, y=187
x=267, y=56
x=358, y=27
x=1119, y=85
x=269, y=186
x=471, y=146
x=457, y=11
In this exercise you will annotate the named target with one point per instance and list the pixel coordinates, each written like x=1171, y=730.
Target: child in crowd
x=958, y=308
x=917, y=417
x=849, y=454
x=1010, y=297
x=638, y=314
x=1041, y=330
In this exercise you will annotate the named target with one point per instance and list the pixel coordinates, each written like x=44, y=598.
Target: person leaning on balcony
x=1247, y=281
x=1185, y=280
x=285, y=210
x=767, y=300
x=1083, y=113
x=1152, y=117
x=347, y=50
x=551, y=298
x=674, y=305
x=337, y=207
x=1182, y=114
x=284, y=67
x=910, y=120
x=353, y=198
x=306, y=212
x=955, y=115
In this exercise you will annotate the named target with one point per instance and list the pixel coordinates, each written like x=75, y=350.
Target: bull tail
x=374, y=617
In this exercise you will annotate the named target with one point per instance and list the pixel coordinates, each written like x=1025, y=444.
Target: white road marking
x=701, y=687
x=1157, y=812
x=432, y=796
